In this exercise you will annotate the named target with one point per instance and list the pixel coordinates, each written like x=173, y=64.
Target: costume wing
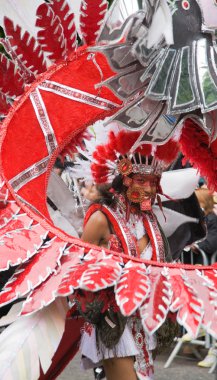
x=58, y=105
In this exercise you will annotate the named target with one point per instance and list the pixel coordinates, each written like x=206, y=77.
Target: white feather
x=99, y=133
x=32, y=341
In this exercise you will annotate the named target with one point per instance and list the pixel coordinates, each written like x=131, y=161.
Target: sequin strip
x=128, y=236
x=144, y=362
x=44, y=121
x=77, y=95
x=30, y=173
x=156, y=234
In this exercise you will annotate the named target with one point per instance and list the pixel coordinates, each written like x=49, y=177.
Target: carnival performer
x=122, y=219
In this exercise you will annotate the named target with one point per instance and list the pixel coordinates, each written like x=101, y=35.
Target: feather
x=72, y=279
x=207, y=293
x=133, y=288
x=50, y=37
x=26, y=75
x=11, y=83
x=167, y=152
x=17, y=222
x=200, y=148
x=21, y=12
x=19, y=245
x=186, y=302
x=5, y=104
x=62, y=10
x=8, y=213
x=45, y=293
x=25, y=336
x=25, y=47
x=101, y=275
x=11, y=316
x=92, y=13
x=156, y=307
x=31, y=274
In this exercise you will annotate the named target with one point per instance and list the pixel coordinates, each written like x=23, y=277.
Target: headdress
x=115, y=155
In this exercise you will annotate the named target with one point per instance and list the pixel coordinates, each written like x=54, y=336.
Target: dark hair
x=58, y=164
x=105, y=190
x=107, y=197
x=117, y=184
x=68, y=164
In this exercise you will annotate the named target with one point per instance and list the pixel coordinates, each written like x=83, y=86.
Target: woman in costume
x=122, y=220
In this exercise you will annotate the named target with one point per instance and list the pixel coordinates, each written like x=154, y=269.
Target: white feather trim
x=99, y=133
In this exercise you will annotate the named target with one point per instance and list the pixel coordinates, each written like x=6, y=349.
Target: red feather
x=4, y=104
x=110, y=154
x=101, y=275
x=167, y=152
x=206, y=289
x=186, y=301
x=20, y=221
x=194, y=144
x=31, y=274
x=45, y=293
x=20, y=245
x=11, y=83
x=62, y=10
x=132, y=288
x=155, y=308
x=92, y=15
x=144, y=150
x=25, y=47
x=51, y=36
x=99, y=158
x=125, y=140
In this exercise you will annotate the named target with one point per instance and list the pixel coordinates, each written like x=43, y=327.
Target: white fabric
x=179, y=184
x=136, y=226
x=173, y=220
x=161, y=26
x=63, y=199
x=147, y=252
x=93, y=357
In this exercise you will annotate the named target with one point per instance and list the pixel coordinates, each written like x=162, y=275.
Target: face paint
x=142, y=189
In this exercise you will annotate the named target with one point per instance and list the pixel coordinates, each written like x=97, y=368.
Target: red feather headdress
x=116, y=157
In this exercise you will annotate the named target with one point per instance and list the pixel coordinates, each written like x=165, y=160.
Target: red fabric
x=67, y=349
x=95, y=207
x=24, y=143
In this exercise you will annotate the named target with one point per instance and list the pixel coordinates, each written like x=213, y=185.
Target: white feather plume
x=31, y=342
x=99, y=133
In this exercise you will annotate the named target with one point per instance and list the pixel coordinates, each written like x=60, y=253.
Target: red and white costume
x=46, y=108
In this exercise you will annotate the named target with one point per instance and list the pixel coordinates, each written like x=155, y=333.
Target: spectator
x=209, y=244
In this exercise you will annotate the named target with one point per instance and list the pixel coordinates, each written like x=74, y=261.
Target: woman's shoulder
x=97, y=217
